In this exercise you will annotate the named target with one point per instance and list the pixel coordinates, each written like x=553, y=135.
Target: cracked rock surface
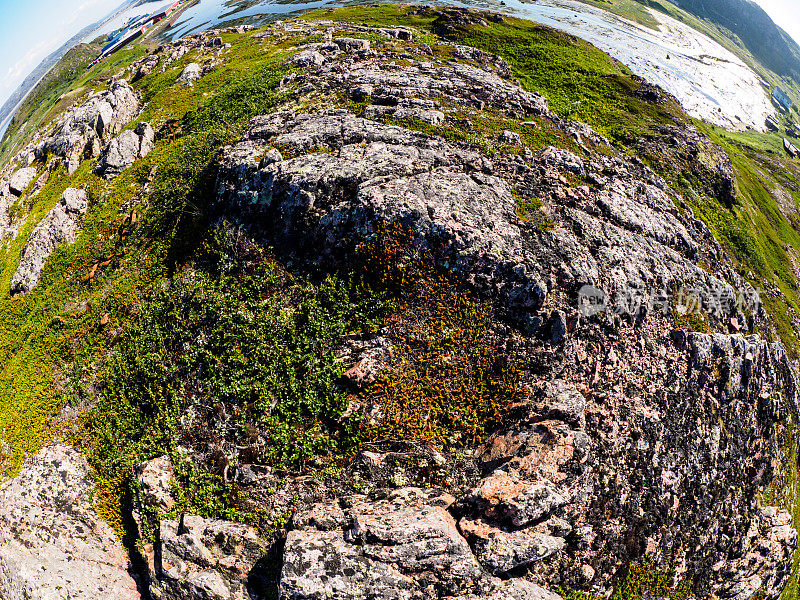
x=84, y=130
x=52, y=543
x=406, y=546
x=121, y=152
x=562, y=495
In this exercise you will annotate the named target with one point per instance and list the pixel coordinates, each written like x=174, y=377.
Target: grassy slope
x=55, y=328
x=53, y=339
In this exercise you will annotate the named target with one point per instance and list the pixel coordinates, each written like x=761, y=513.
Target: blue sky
x=32, y=29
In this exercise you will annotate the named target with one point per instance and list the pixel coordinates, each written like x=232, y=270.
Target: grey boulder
x=513, y=501
x=190, y=74
x=503, y=551
x=84, y=130
x=205, y=559
x=351, y=45
x=21, y=179
x=306, y=58
x=400, y=548
x=60, y=226
x=404, y=547
x=124, y=150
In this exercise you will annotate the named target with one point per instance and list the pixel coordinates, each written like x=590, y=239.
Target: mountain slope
x=350, y=305
x=772, y=46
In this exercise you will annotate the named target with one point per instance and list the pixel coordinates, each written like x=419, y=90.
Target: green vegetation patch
x=250, y=349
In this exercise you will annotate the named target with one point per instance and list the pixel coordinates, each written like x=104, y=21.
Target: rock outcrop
x=190, y=74
x=590, y=276
x=200, y=558
x=404, y=547
x=52, y=543
x=21, y=179
x=631, y=440
x=376, y=173
x=60, y=226
x=85, y=129
x=123, y=150
x=193, y=557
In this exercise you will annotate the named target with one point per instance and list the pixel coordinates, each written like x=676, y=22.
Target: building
x=784, y=102
x=165, y=11
x=135, y=28
x=772, y=123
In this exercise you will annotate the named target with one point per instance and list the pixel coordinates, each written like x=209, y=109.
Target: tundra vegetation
x=157, y=305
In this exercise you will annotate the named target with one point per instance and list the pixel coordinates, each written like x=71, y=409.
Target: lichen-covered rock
x=193, y=557
x=60, y=226
x=400, y=548
x=351, y=44
x=156, y=481
x=197, y=558
x=506, y=498
x=687, y=149
x=190, y=74
x=378, y=173
x=645, y=441
x=85, y=129
x=460, y=83
x=765, y=563
x=144, y=66
x=7, y=200
x=502, y=551
x=124, y=150
x=308, y=57
x=52, y=543
x=406, y=108
x=21, y=179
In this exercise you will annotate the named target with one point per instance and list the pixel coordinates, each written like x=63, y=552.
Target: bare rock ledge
x=53, y=545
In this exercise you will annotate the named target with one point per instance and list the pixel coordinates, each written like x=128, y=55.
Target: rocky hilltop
x=375, y=322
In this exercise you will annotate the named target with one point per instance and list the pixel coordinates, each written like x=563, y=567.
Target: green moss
x=244, y=338
x=568, y=594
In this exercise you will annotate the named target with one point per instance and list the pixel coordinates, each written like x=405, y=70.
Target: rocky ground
x=636, y=441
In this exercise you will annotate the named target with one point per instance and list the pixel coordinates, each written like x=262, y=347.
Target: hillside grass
x=633, y=10
x=761, y=230
x=54, y=331
x=181, y=313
